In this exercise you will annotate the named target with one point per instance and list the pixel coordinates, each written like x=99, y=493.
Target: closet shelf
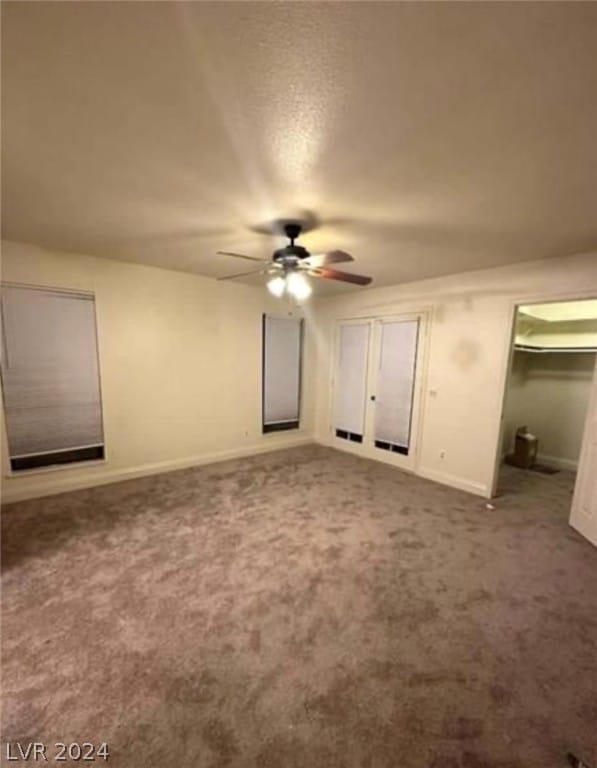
x=543, y=350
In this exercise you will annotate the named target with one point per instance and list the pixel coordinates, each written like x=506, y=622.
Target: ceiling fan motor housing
x=291, y=254
x=294, y=258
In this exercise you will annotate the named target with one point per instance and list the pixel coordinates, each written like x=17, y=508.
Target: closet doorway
x=377, y=386
x=549, y=390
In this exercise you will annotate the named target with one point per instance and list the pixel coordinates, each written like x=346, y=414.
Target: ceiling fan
x=289, y=265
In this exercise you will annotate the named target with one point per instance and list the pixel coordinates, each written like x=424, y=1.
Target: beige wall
x=180, y=361
x=468, y=347
x=180, y=364
x=550, y=394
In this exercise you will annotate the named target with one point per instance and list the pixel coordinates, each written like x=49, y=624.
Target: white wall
x=550, y=394
x=468, y=350
x=180, y=366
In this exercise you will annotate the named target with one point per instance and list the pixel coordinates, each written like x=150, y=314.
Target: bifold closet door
x=395, y=383
x=350, y=390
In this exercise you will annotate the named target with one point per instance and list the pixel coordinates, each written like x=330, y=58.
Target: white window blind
x=281, y=372
x=395, y=383
x=350, y=384
x=50, y=377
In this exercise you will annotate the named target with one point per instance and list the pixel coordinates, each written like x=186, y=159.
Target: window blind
x=281, y=372
x=395, y=384
x=50, y=377
x=351, y=381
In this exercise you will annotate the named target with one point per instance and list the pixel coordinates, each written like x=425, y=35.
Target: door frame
x=408, y=463
x=506, y=368
x=585, y=524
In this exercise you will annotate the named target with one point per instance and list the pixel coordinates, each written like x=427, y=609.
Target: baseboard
x=552, y=461
x=454, y=481
x=557, y=462
x=51, y=484
x=461, y=483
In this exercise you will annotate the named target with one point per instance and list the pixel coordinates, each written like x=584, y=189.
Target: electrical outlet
x=442, y=453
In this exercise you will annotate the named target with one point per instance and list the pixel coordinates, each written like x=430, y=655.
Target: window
x=282, y=343
x=50, y=377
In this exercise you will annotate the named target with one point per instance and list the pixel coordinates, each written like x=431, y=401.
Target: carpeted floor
x=302, y=608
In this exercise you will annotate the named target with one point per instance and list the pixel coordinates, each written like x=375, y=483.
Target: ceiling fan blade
x=261, y=271
x=323, y=259
x=240, y=256
x=345, y=277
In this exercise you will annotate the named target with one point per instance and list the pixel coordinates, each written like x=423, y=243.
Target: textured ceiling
x=427, y=138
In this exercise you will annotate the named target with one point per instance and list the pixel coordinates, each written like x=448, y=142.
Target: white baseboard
x=553, y=461
x=557, y=462
x=454, y=481
x=50, y=483
x=461, y=483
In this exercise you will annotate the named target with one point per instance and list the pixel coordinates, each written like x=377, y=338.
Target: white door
x=376, y=388
x=583, y=516
x=394, y=384
x=350, y=381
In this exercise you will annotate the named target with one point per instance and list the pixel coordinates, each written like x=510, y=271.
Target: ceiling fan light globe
x=276, y=286
x=298, y=286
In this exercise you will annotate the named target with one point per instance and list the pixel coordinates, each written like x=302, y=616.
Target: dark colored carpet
x=303, y=608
